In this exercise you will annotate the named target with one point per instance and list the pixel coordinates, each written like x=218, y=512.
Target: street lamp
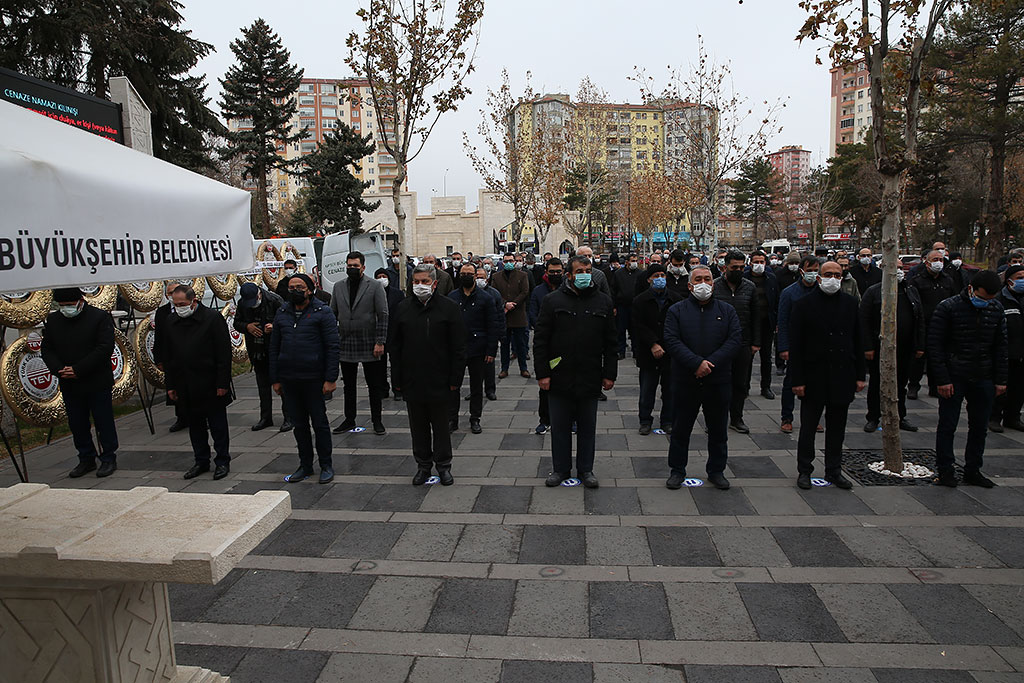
x=444, y=183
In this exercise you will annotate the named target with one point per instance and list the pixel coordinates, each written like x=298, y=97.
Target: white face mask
x=793, y=267
x=757, y=268
x=865, y=260
x=422, y=292
x=384, y=281
x=702, y=291
x=183, y=311
x=676, y=270
x=900, y=275
x=288, y=272
x=957, y=263
x=935, y=266
x=633, y=265
x=456, y=263
x=70, y=311
x=830, y=285
x=810, y=277
x=721, y=263
x=487, y=267
x=481, y=282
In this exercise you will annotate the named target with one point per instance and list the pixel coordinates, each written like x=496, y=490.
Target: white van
x=337, y=247
x=303, y=245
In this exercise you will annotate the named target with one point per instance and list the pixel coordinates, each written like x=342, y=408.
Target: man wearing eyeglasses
x=826, y=365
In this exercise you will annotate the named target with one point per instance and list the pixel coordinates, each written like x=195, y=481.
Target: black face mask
x=467, y=281
x=734, y=276
x=354, y=273
x=555, y=279
x=296, y=297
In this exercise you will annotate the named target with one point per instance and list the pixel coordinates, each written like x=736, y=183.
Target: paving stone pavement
x=500, y=579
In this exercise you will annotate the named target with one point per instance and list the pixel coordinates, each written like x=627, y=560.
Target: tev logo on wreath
x=37, y=380
x=117, y=362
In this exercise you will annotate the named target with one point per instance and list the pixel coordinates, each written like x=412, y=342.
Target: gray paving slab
x=503, y=499
x=397, y=498
x=516, y=466
x=661, y=501
x=708, y=611
x=255, y=598
x=823, y=675
x=324, y=601
x=921, y=676
x=876, y=547
x=348, y=667
x=869, y=613
x=223, y=660
x=629, y=610
x=611, y=501
x=557, y=500
x=814, y=547
x=550, y=608
x=997, y=677
x=1007, y=544
x=777, y=500
x=273, y=666
x=625, y=546
x=371, y=540
x=397, y=603
x=682, y=547
x=832, y=501
x=450, y=498
x=1002, y=500
x=301, y=538
x=1006, y=602
x=754, y=466
x=948, y=547
x=553, y=545
x=472, y=606
x=703, y=673
x=789, y=612
x=427, y=542
x=489, y=543
x=346, y=496
x=711, y=501
x=637, y=673
x=447, y=670
x=513, y=671
x=748, y=547
x=946, y=501
x=952, y=615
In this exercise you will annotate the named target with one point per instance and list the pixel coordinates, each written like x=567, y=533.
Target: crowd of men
x=694, y=326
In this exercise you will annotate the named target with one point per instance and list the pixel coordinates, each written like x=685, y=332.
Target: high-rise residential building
x=792, y=163
x=322, y=104
x=850, y=116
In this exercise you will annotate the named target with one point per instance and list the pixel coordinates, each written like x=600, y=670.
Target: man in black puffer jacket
x=967, y=355
x=574, y=349
x=484, y=326
x=1009, y=405
x=740, y=293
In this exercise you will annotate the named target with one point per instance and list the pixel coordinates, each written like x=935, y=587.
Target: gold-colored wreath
x=239, y=354
x=102, y=297
x=143, y=296
x=23, y=310
x=32, y=391
x=255, y=276
x=288, y=250
x=198, y=284
x=271, y=276
x=124, y=365
x=145, y=335
x=223, y=286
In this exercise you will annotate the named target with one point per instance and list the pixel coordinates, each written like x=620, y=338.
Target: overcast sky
x=559, y=41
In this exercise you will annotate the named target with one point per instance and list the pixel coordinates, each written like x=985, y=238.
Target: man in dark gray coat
x=361, y=306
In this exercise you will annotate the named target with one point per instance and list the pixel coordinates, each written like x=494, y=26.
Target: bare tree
x=416, y=59
x=548, y=162
x=585, y=158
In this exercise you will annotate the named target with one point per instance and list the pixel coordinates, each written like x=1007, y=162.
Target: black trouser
x=490, y=381
x=214, y=423
x=742, y=363
x=265, y=388
x=779, y=363
x=979, y=395
x=304, y=406
x=517, y=339
x=431, y=440
x=376, y=375
x=566, y=409
x=622, y=318
x=79, y=406
x=689, y=399
x=544, y=410
x=918, y=367
x=765, y=353
x=650, y=378
x=835, y=428
x=1008, y=406
x=476, y=366
x=874, y=389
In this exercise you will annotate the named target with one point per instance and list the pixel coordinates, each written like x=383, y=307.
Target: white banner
x=81, y=210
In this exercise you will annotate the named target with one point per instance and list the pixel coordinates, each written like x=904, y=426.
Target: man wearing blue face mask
x=967, y=354
x=649, y=311
x=1008, y=407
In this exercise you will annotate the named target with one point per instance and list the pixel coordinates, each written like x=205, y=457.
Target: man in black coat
x=291, y=267
x=198, y=366
x=768, y=292
x=967, y=354
x=490, y=369
x=78, y=341
x=676, y=275
x=826, y=363
x=702, y=337
x=484, y=325
x=865, y=272
x=910, y=344
x=653, y=361
x=395, y=296
x=741, y=294
x=254, y=318
x=624, y=284
x=1006, y=413
x=575, y=356
x=428, y=361
x=935, y=286
x=550, y=282
x=160, y=317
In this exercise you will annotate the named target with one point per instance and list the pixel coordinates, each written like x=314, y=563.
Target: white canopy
x=78, y=210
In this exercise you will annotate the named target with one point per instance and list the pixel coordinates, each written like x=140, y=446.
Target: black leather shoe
x=768, y=394
x=286, y=426
x=839, y=481
x=645, y=429
x=446, y=477
x=491, y=396
x=804, y=481
x=326, y=475
x=262, y=424
x=666, y=428
x=453, y=426
x=871, y=426
x=178, y=426
x=541, y=429
x=398, y=396
x=946, y=478
x=378, y=428
x=912, y=394
x=106, y=469
x=346, y=426
x=420, y=478
x=298, y=475
x=196, y=470
x=780, y=372
x=82, y=468
x=739, y=426
x=474, y=426
x=602, y=397
x=994, y=426
x=220, y=472
x=907, y=426
x=719, y=481
x=556, y=478
x=573, y=428
x=976, y=478
x=1014, y=424
x=589, y=480
x=675, y=480
x=467, y=397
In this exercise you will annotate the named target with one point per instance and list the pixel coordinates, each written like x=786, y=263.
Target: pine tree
x=334, y=193
x=259, y=89
x=757, y=190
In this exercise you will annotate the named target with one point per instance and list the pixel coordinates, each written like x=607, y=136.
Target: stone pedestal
x=83, y=576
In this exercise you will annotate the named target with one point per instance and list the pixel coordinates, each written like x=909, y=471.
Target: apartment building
x=792, y=163
x=850, y=113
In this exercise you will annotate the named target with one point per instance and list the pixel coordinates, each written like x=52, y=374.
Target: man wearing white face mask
x=865, y=272
x=826, y=368
x=935, y=286
x=768, y=310
x=78, y=341
x=807, y=283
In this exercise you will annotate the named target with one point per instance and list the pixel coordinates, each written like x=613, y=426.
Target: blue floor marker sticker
x=432, y=480
x=357, y=430
x=693, y=482
x=570, y=482
x=659, y=431
x=820, y=482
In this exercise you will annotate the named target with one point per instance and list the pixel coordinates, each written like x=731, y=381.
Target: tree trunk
x=396, y=197
x=995, y=219
x=891, y=447
x=262, y=203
